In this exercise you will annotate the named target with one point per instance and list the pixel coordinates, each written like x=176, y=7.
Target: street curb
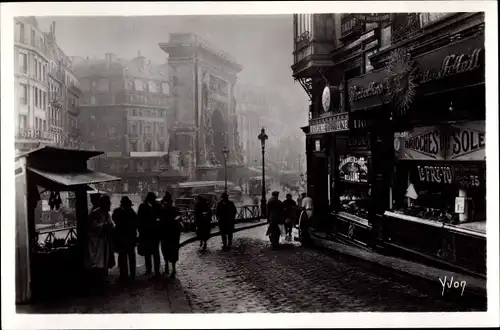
x=474, y=290
x=217, y=233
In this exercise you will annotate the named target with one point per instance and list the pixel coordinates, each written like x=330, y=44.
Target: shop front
x=359, y=160
x=326, y=135
x=438, y=190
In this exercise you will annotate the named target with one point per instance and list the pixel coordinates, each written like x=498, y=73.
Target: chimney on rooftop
x=53, y=27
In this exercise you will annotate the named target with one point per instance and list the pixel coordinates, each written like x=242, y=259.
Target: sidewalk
x=144, y=296
x=434, y=276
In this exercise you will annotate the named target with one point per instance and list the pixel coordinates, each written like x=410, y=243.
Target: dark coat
x=148, y=221
x=275, y=211
x=203, y=219
x=170, y=232
x=126, y=222
x=290, y=209
x=226, y=214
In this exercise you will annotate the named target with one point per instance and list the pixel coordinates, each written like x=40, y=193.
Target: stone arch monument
x=203, y=80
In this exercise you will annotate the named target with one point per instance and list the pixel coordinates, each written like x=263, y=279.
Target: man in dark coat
x=290, y=208
x=149, y=238
x=226, y=214
x=275, y=217
x=125, y=237
x=170, y=231
x=203, y=220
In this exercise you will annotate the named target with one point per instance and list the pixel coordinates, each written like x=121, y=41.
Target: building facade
x=396, y=130
x=126, y=113
x=203, y=82
x=258, y=107
x=47, y=93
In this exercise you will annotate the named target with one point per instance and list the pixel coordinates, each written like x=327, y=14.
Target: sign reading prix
x=459, y=142
x=458, y=65
x=334, y=123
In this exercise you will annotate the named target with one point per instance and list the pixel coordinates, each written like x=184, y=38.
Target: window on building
x=427, y=18
x=152, y=87
x=112, y=131
x=147, y=129
x=304, y=24
x=23, y=91
x=20, y=32
x=138, y=86
x=147, y=146
x=165, y=88
x=23, y=63
x=32, y=37
x=92, y=100
x=23, y=122
x=161, y=130
x=35, y=91
x=44, y=101
x=385, y=37
x=133, y=146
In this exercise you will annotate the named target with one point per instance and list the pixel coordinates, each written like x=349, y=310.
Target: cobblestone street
x=254, y=278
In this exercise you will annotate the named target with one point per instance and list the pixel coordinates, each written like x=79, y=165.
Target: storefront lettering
x=435, y=174
x=373, y=89
x=454, y=64
x=466, y=141
x=333, y=125
x=427, y=143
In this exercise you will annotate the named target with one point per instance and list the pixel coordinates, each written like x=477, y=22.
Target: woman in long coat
x=170, y=235
x=203, y=220
x=99, y=255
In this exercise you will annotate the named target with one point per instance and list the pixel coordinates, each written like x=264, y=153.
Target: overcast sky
x=262, y=44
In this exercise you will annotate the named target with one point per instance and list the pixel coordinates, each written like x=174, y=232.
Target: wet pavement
x=253, y=278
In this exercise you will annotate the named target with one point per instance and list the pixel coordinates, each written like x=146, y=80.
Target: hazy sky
x=262, y=44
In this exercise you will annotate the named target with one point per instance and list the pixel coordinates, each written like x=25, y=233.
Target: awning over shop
x=75, y=179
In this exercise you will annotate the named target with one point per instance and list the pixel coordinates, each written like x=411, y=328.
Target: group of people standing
x=155, y=226
x=287, y=214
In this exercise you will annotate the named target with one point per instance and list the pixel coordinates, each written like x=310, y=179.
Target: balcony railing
x=405, y=27
x=302, y=40
x=75, y=87
x=73, y=109
x=36, y=135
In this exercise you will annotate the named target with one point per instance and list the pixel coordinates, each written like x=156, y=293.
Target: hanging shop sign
x=454, y=66
x=373, y=17
x=335, y=123
x=353, y=169
x=465, y=141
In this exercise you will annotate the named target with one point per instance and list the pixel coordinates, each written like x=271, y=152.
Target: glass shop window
x=429, y=191
x=354, y=190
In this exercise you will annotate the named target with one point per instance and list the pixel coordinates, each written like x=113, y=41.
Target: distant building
x=46, y=93
x=125, y=112
x=258, y=107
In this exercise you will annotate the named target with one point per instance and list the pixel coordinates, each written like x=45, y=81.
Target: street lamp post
x=225, y=153
x=263, y=137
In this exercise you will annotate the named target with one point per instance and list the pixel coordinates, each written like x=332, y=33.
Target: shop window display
x=354, y=188
x=432, y=192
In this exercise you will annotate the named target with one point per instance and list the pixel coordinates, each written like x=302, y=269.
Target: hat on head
x=224, y=195
x=167, y=198
x=125, y=201
x=151, y=196
x=275, y=193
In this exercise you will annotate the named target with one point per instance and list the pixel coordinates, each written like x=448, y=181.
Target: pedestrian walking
x=149, y=238
x=275, y=218
x=203, y=220
x=226, y=214
x=99, y=255
x=305, y=219
x=290, y=208
x=170, y=229
x=125, y=237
